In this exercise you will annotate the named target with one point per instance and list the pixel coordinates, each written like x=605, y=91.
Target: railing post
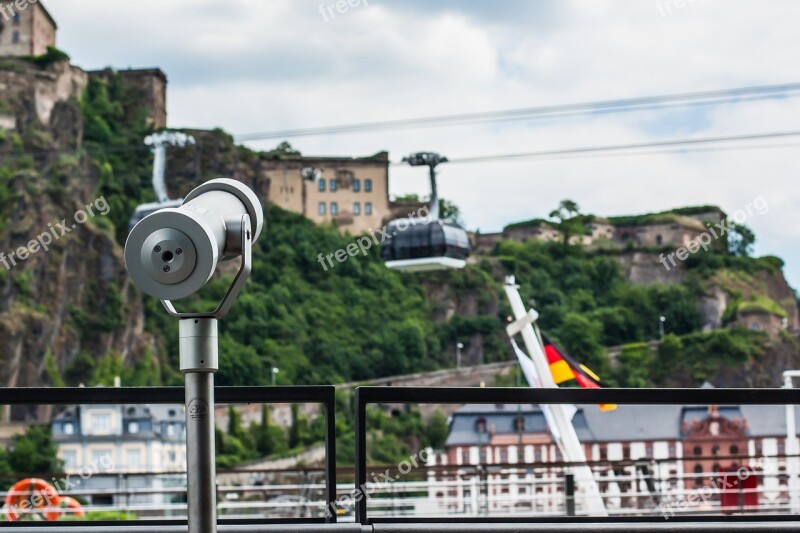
x=330, y=457
x=569, y=493
x=361, y=456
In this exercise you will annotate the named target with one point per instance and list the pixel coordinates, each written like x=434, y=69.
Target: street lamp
x=275, y=371
x=458, y=354
x=661, y=321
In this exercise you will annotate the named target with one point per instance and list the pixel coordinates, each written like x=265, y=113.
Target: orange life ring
x=29, y=495
x=74, y=505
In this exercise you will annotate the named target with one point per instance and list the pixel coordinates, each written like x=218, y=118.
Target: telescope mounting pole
x=199, y=359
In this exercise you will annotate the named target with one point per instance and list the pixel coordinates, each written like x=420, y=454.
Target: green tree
x=669, y=359
x=34, y=452
x=570, y=222
x=580, y=337
x=284, y=149
x=437, y=430
x=740, y=239
x=635, y=365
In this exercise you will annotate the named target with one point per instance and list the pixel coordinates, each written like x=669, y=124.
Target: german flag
x=564, y=368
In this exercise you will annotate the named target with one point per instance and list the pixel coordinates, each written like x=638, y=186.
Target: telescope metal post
x=199, y=361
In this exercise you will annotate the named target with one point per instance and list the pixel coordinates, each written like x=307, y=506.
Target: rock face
x=722, y=291
x=33, y=93
x=74, y=297
x=643, y=267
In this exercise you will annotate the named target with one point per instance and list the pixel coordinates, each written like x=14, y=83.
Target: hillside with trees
x=353, y=322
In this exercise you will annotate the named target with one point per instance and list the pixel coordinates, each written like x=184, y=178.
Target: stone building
x=353, y=192
x=535, y=229
x=26, y=28
x=151, y=86
x=668, y=229
x=673, y=231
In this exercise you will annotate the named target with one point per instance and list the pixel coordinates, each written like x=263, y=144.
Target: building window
x=334, y=186
x=102, y=457
x=69, y=429
x=16, y=19
x=70, y=458
x=170, y=430
x=133, y=459
x=519, y=424
x=367, y=185
x=659, y=240
x=321, y=185
x=626, y=452
x=356, y=208
x=368, y=208
x=356, y=185
x=101, y=422
x=334, y=205
x=321, y=208
x=715, y=450
x=734, y=449
x=698, y=450
x=172, y=457
x=698, y=480
x=480, y=425
x=504, y=455
x=465, y=457
x=133, y=427
x=15, y=37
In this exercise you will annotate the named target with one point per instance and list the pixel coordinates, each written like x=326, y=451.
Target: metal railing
x=389, y=521
x=432, y=395
x=322, y=394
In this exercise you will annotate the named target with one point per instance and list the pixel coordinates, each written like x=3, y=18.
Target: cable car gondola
x=417, y=245
x=423, y=244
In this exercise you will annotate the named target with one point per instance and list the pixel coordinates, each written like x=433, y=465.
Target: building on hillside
x=672, y=231
x=352, y=192
x=534, y=229
x=25, y=32
x=770, y=321
x=485, y=243
x=668, y=229
x=142, y=446
x=640, y=454
x=150, y=85
x=601, y=229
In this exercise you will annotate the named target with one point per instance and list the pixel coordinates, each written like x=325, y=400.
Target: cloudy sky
x=257, y=65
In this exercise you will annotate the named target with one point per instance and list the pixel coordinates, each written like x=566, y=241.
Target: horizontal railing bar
x=162, y=395
x=434, y=526
x=508, y=395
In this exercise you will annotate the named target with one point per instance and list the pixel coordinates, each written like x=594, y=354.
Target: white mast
x=558, y=419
